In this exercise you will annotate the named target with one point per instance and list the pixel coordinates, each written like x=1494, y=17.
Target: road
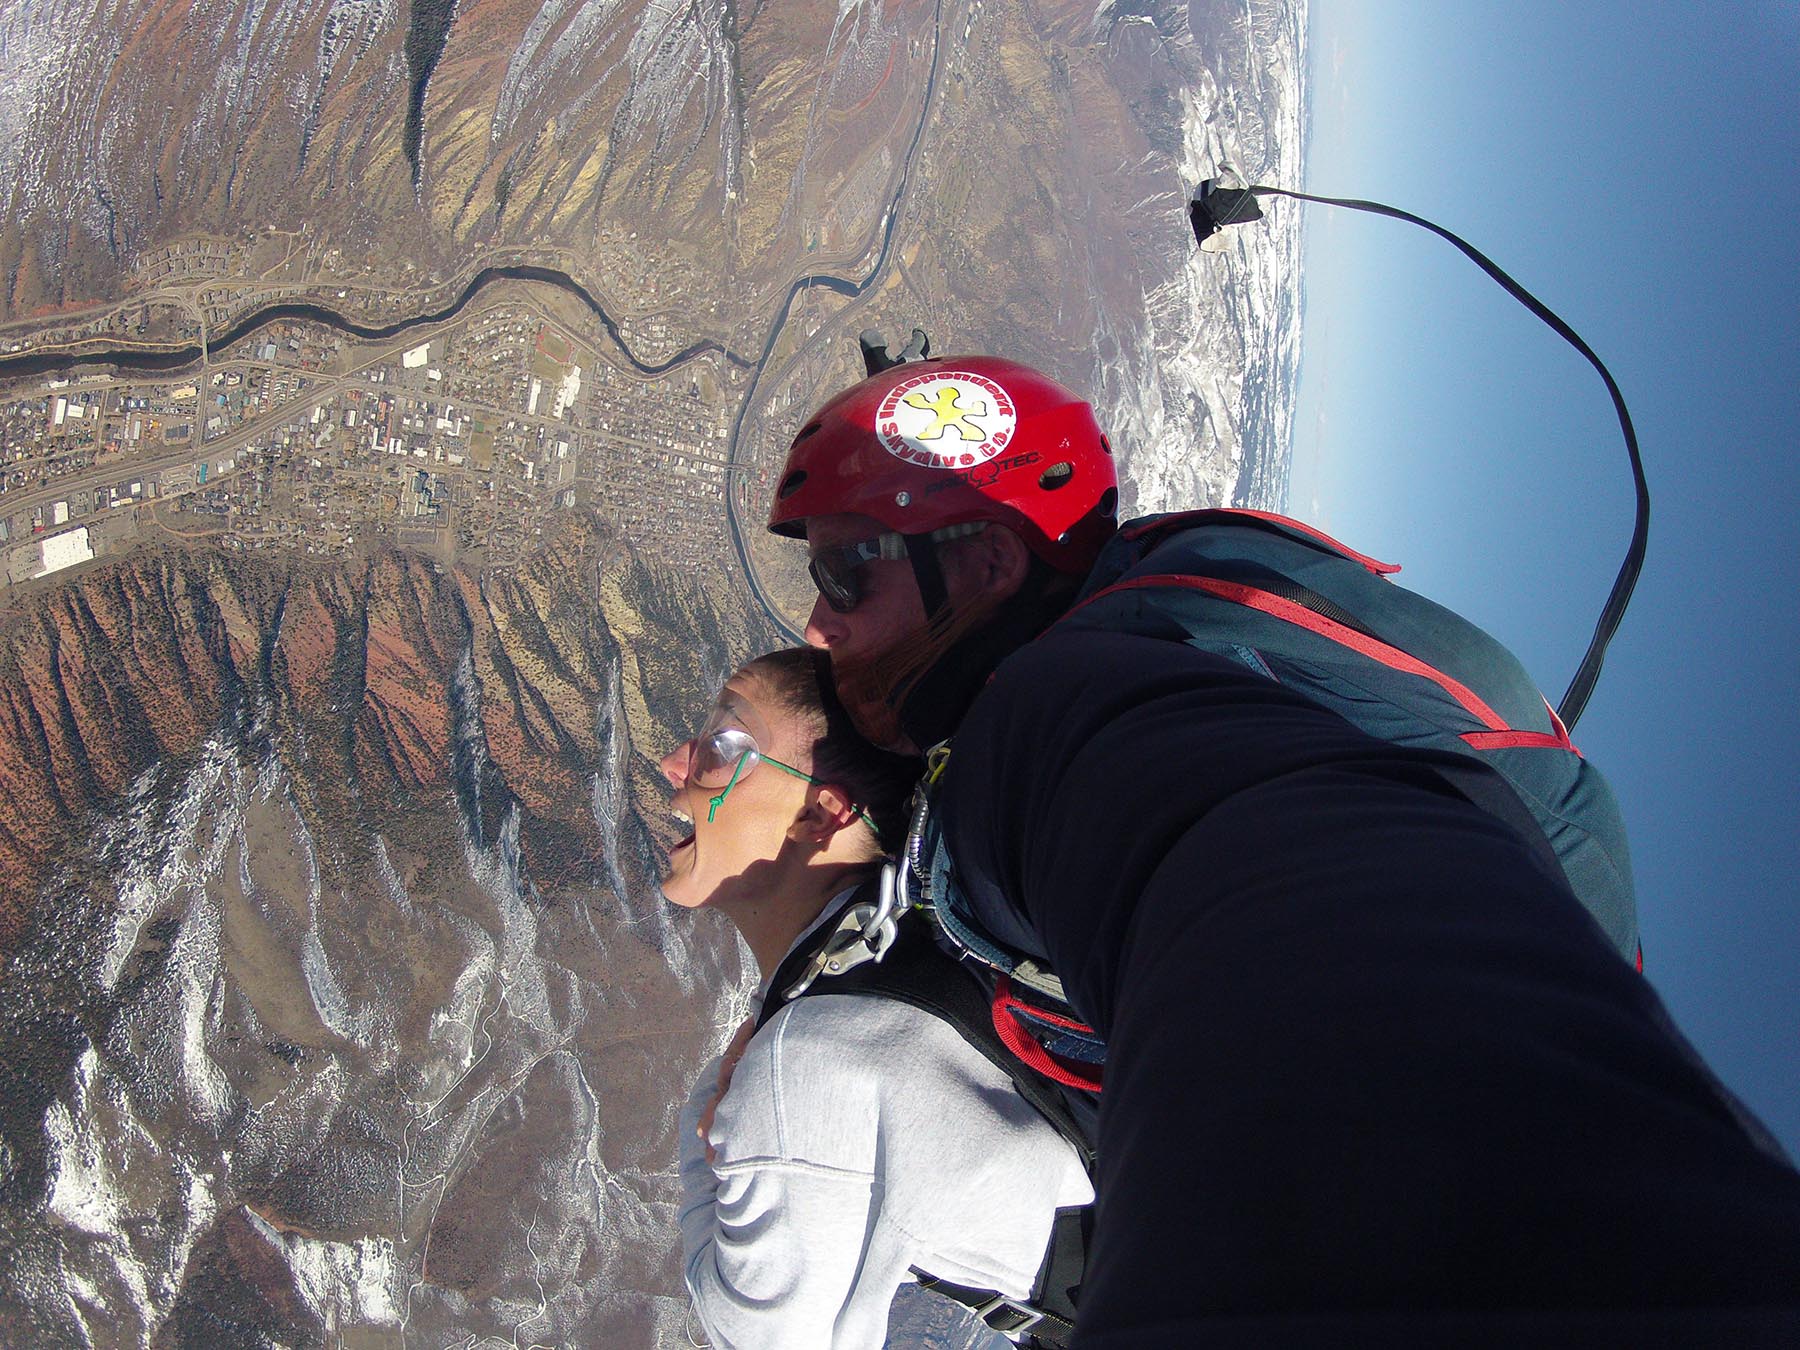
x=854, y=290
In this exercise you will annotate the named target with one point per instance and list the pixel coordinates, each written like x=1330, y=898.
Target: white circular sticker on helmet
x=946, y=419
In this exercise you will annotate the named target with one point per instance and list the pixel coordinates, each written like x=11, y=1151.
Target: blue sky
x=1634, y=167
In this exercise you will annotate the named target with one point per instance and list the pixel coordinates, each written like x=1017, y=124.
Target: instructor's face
x=888, y=608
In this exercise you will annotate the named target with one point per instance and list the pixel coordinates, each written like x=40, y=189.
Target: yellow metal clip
x=935, y=760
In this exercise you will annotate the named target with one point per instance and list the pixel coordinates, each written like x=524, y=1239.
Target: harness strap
x=1047, y=1318
x=922, y=550
x=1484, y=788
x=1011, y=1316
x=798, y=970
x=1150, y=528
x=914, y=970
x=1274, y=594
x=1301, y=616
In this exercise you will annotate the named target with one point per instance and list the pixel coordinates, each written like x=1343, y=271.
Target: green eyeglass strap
x=737, y=773
x=725, y=791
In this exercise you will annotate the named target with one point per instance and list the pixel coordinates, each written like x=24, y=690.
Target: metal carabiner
x=864, y=933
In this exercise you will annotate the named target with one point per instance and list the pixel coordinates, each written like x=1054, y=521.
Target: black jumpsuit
x=1374, y=1076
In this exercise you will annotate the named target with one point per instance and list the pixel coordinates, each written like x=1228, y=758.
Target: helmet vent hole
x=1105, y=444
x=1056, y=475
x=791, y=484
x=1108, y=505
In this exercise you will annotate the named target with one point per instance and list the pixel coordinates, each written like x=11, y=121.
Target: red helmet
x=956, y=439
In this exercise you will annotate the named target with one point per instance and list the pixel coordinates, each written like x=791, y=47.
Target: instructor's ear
x=994, y=562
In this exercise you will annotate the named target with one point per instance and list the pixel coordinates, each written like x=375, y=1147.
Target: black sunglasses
x=836, y=570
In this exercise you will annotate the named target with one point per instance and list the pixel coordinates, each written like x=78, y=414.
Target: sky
x=1633, y=167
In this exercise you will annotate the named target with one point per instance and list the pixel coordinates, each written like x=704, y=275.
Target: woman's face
x=749, y=825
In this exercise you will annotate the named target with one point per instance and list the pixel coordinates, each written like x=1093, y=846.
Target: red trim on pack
x=1301, y=616
x=1038, y=1014
x=1640, y=960
x=1562, y=731
x=1184, y=518
x=1509, y=740
x=1016, y=1039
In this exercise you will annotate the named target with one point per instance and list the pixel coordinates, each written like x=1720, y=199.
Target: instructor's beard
x=875, y=688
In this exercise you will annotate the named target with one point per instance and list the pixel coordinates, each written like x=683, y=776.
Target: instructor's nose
x=825, y=627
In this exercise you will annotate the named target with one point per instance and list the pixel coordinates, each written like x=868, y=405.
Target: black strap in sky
x=1231, y=206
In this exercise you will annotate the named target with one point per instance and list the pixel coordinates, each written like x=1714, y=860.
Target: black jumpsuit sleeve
x=1368, y=1059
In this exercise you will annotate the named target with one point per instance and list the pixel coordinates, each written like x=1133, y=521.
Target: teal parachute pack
x=1295, y=606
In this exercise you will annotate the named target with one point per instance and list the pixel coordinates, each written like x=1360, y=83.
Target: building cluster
x=470, y=441
x=664, y=464
x=647, y=275
x=243, y=393
x=185, y=261
x=71, y=507
x=142, y=322
x=71, y=427
x=302, y=346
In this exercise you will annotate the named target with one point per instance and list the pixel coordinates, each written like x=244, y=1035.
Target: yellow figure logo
x=947, y=414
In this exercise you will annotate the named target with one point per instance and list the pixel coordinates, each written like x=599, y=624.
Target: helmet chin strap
x=922, y=551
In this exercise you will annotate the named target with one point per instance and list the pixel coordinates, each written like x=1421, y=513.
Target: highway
x=848, y=288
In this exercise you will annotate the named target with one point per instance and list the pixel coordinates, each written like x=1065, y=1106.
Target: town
x=464, y=441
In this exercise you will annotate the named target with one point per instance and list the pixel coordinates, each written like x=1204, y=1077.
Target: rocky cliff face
x=342, y=999
x=355, y=680
x=420, y=130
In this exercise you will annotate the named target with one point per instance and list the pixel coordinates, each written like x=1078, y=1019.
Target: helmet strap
x=921, y=549
x=931, y=704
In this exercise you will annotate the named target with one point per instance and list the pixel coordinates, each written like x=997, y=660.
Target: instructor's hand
x=727, y=1066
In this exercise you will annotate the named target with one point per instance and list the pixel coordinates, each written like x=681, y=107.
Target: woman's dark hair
x=798, y=679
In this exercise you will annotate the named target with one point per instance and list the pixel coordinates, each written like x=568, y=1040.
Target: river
x=24, y=364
